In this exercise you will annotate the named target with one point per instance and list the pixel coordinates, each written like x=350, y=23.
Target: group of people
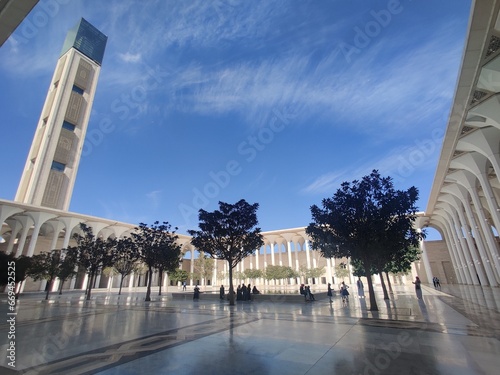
x=305, y=290
x=436, y=282
x=243, y=292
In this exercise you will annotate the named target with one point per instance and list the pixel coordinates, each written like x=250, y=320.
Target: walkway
x=454, y=332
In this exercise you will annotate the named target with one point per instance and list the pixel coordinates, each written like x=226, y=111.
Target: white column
x=480, y=260
x=191, y=268
x=272, y=254
x=471, y=272
x=329, y=269
x=290, y=264
x=16, y=228
x=27, y=222
x=57, y=226
x=308, y=255
x=488, y=234
x=427, y=265
x=38, y=218
x=131, y=281
x=440, y=216
x=456, y=232
x=471, y=252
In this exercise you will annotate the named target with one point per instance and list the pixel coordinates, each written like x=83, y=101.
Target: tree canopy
x=279, y=272
x=45, y=266
x=365, y=220
x=229, y=233
x=94, y=253
x=157, y=248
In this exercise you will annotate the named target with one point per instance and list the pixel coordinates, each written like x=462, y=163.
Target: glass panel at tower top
x=87, y=39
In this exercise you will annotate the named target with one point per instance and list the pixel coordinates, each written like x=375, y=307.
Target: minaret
x=50, y=172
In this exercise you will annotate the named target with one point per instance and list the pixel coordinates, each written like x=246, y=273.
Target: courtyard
x=452, y=331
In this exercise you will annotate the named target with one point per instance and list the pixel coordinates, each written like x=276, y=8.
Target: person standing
x=243, y=292
x=309, y=295
x=330, y=293
x=184, y=285
x=238, y=293
x=303, y=291
x=361, y=289
x=221, y=292
x=196, y=294
x=418, y=287
x=344, y=293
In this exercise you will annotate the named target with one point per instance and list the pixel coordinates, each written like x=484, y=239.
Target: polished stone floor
x=454, y=331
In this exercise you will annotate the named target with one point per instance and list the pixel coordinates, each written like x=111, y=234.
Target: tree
x=365, y=220
x=203, y=267
x=341, y=271
x=158, y=249
x=311, y=273
x=253, y=274
x=94, y=254
x=67, y=266
x=178, y=275
x=400, y=262
x=45, y=266
x=229, y=233
x=126, y=259
x=238, y=275
x=221, y=275
x=22, y=265
x=279, y=272
x=5, y=261
x=166, y=262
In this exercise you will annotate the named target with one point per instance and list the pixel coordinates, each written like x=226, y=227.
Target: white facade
x=464, y=202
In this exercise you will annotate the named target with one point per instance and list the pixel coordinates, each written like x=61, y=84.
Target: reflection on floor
x=452, y=331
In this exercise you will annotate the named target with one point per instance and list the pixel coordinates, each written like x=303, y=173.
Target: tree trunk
x=160, y=277
x=18, y=288
x=49, y=288
x=150, y=279
x=371, y=292
x=389, y=283
x=91, y=281
x=121, y=283
x=61, y=286
x=384, y=288
x=231, y=287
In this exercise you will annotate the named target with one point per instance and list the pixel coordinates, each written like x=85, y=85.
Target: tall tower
x=50, y=171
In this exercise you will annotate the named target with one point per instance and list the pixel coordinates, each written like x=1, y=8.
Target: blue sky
x=275, y=102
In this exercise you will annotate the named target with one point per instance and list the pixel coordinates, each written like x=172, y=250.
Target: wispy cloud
x=154, y=198
x=129, y=57
x=398, y=162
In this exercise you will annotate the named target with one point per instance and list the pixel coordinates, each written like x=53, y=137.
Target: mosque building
x=463, y=206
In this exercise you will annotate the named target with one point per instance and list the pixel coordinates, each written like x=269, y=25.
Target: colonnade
x=464, y=200
x=28, y=230
x=289, y=248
